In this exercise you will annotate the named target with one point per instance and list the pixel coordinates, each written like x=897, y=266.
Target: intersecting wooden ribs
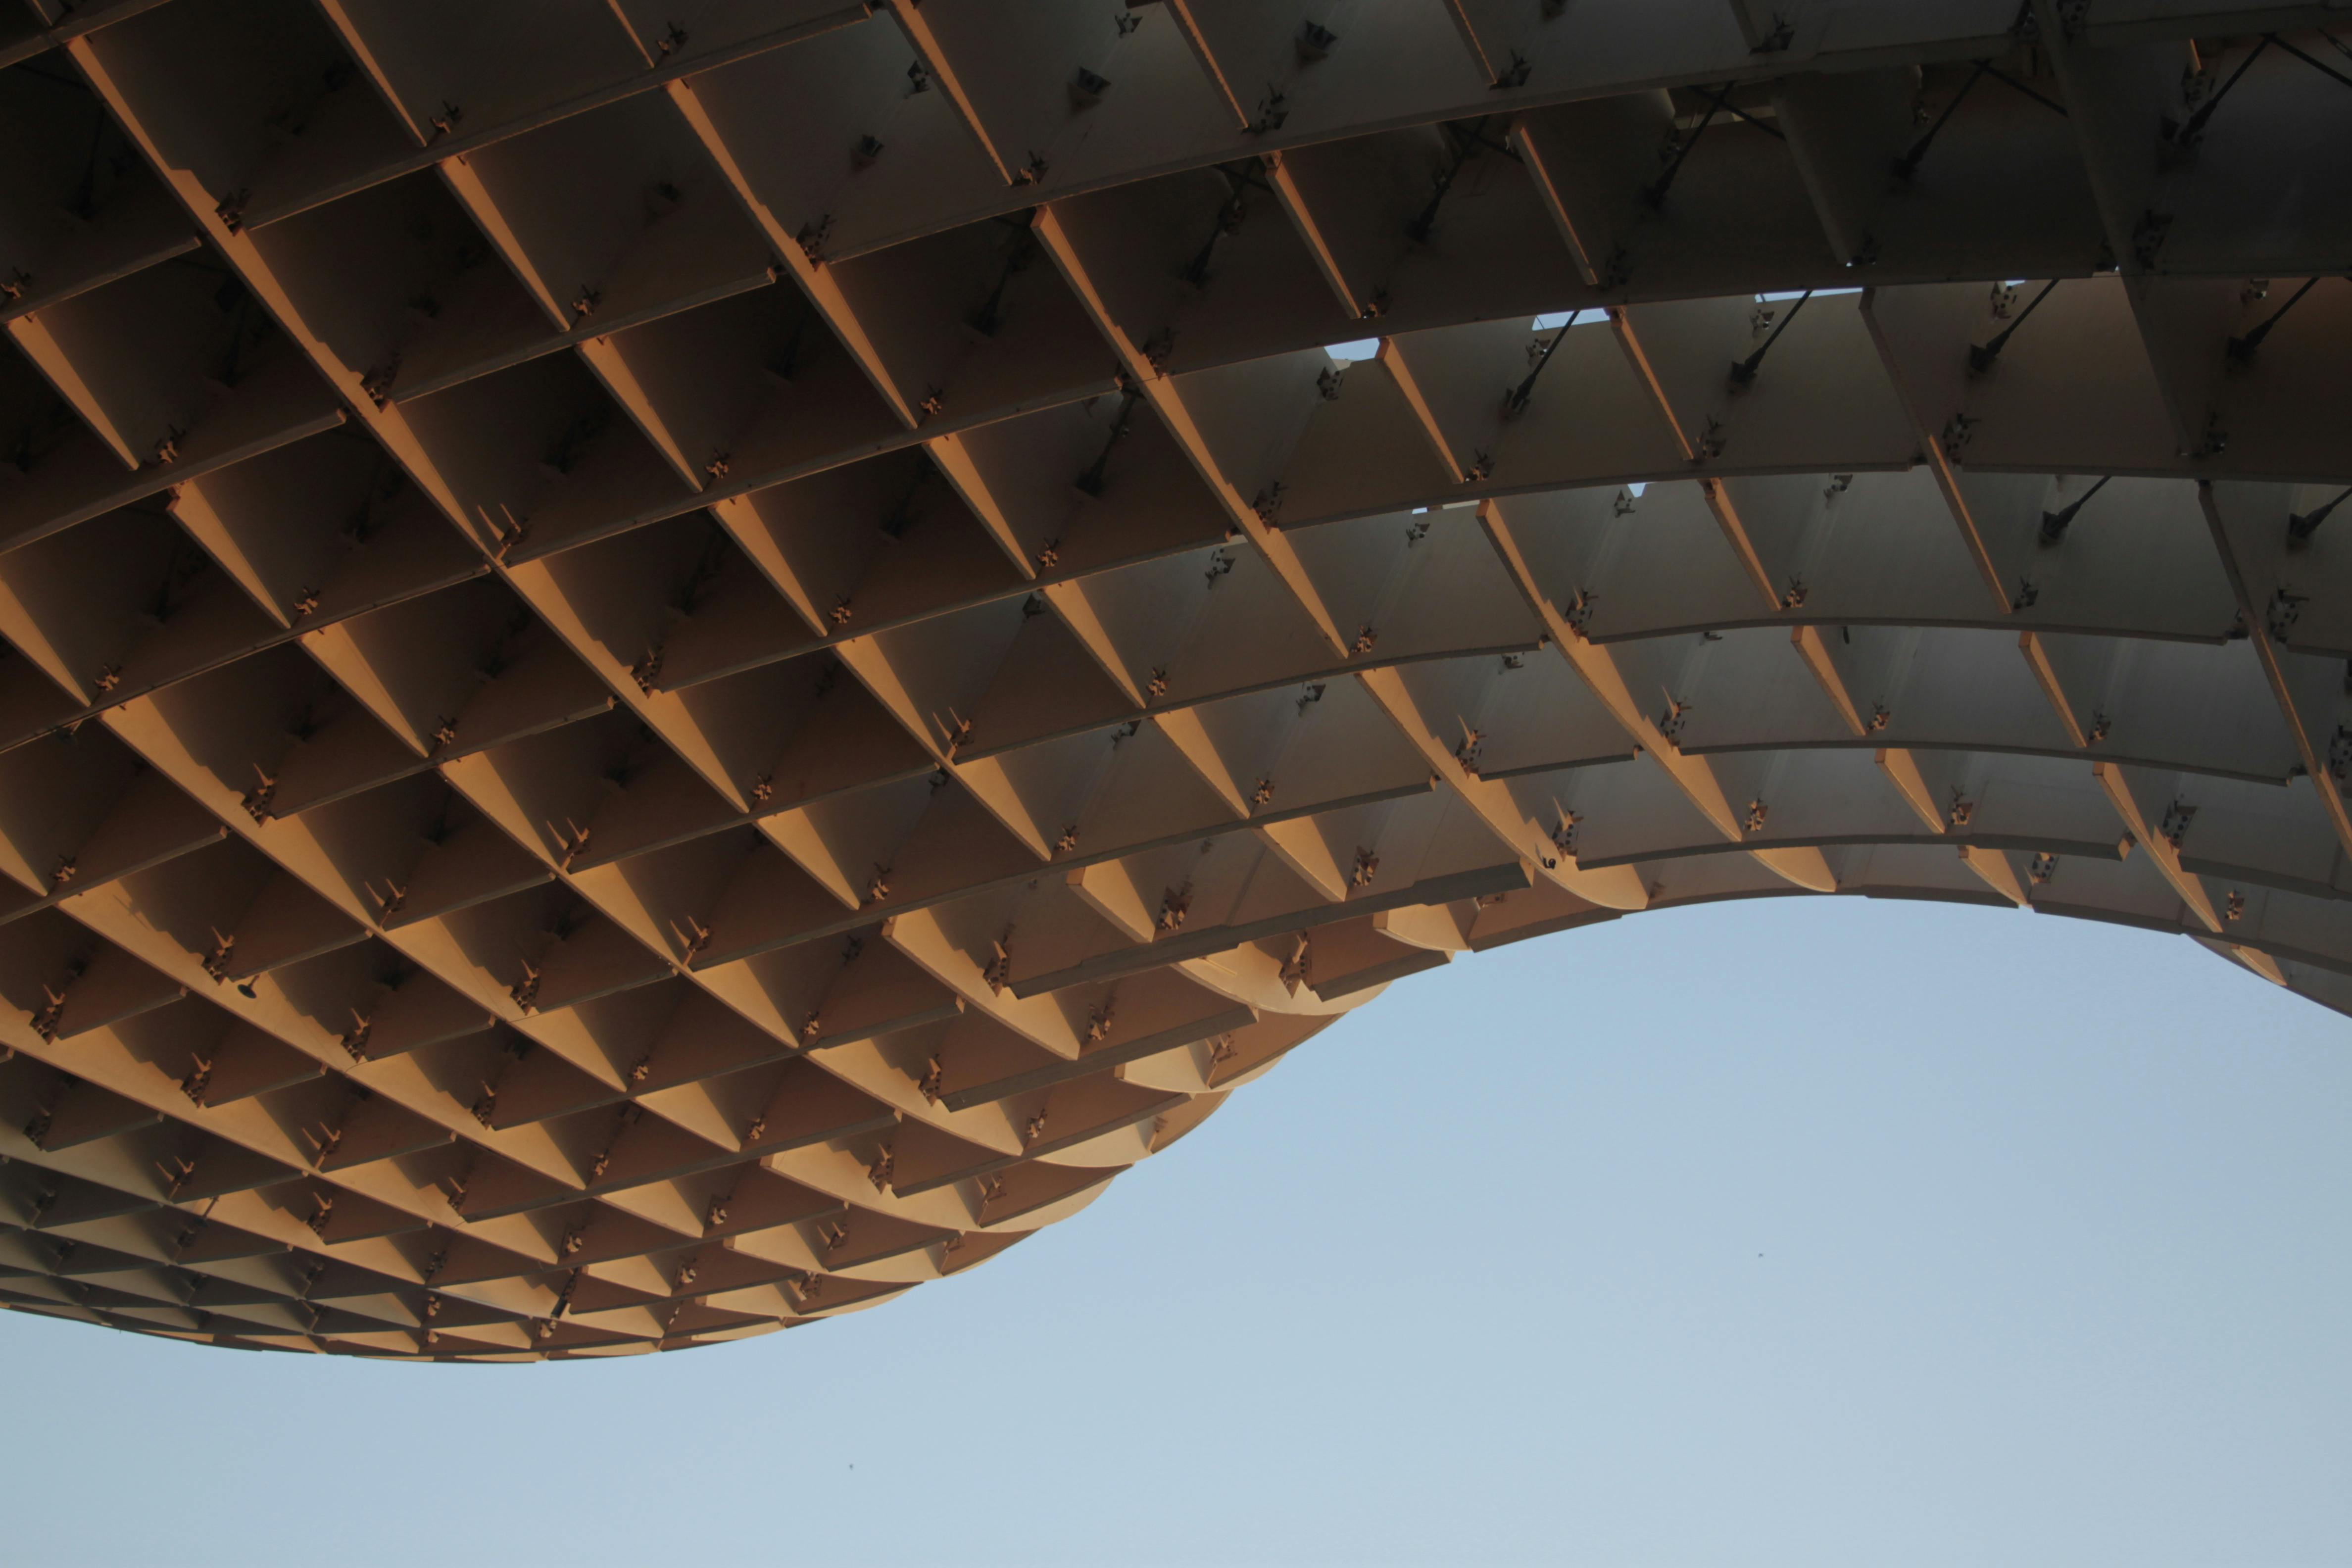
x=670, y=666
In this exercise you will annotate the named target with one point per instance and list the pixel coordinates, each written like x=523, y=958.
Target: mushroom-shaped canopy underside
x=675, y=664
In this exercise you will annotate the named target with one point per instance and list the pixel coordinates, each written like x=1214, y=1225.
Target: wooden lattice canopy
x=672, y=664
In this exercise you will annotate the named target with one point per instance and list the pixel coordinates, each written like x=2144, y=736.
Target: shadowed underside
x=672, y=664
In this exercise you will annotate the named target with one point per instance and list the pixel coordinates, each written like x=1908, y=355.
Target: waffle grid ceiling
x=670, y=665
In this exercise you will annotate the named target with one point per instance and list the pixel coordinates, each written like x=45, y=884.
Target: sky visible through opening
x=1811, y=1231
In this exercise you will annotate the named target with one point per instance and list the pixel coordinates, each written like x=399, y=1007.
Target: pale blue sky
x=2055, y=1269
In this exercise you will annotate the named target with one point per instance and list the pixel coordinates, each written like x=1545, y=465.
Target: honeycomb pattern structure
x=670, y=665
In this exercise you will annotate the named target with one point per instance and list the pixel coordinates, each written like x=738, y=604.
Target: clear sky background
x=1824, y=1232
